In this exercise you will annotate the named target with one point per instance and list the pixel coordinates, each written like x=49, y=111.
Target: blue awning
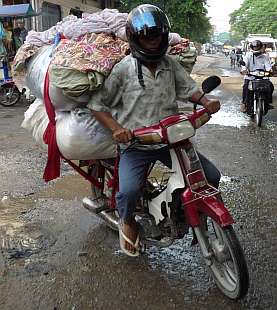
x=17, y=11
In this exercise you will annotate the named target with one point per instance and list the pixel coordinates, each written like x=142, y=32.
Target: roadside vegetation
x=188, y=18
x=254, y=16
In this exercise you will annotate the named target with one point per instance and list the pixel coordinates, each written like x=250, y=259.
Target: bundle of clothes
x=63, y=67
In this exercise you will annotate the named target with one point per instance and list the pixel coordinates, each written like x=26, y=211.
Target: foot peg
x=95, y=205
x=101, y=209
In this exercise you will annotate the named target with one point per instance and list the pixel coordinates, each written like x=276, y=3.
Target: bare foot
x=130, y=230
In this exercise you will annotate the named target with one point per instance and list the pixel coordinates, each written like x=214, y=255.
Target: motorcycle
x=180, y=202
x=239, y=60
x=9, y=94
x=260, y=87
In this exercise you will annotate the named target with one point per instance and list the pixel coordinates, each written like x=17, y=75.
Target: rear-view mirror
x=210, y=83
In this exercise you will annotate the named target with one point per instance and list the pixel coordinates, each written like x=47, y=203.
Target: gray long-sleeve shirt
x=135, y=107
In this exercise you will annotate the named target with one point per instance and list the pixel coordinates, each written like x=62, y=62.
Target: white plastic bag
x=36, y=121
x=78, y=134
x=36, y=70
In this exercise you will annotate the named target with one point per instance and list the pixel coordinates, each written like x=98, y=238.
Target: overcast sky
x=219, y=11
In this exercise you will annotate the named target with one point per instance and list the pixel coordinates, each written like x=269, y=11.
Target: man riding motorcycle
x=254, y=60
x=238, y=55
x=141, y=90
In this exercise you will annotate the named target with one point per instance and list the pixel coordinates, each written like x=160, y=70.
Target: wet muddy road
x=56, y=255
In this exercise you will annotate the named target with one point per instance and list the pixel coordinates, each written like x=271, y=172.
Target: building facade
x=53, y=11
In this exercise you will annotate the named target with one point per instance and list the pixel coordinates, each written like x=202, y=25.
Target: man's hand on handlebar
x=212, y=105
x=122, y=135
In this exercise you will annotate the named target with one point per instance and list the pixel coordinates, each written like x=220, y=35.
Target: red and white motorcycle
x=168, y=210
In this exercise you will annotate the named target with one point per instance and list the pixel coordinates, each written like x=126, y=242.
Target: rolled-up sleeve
x=185, y=85
x=109, y=95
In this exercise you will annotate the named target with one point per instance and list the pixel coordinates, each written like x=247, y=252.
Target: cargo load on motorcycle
x=63, y=67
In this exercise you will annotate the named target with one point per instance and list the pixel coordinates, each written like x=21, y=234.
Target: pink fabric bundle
x=91, y=53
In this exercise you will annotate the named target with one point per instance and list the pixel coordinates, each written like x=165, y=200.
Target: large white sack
x=79, y=135
x=35, y=76
x=36, y=121
x=36, y=70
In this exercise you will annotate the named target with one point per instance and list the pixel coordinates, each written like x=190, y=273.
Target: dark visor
x=148, y=20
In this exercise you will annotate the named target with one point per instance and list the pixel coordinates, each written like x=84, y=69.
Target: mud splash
x=15, y=239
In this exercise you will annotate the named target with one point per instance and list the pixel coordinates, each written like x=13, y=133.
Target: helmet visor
x=150, y=22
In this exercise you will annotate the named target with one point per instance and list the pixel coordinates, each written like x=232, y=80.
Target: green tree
x=223, y=37
x=188, y=18
x=254, y=16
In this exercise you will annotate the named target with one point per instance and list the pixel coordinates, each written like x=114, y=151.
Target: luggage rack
x=205, y=192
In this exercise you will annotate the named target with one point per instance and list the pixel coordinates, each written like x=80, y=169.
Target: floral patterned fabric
x=179, y=48
x=91, y=52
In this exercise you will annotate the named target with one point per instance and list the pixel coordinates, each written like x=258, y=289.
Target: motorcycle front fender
x=210, y=206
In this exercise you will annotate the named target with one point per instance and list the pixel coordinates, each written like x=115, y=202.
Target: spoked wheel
x=227, y=263
x=9, y=95
x=259, y=111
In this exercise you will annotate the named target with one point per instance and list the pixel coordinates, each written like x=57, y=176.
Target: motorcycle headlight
x=180, y=131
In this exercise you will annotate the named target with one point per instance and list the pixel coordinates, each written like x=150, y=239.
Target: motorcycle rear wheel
x=9, y=95
x=227, y=264
x=259, y=111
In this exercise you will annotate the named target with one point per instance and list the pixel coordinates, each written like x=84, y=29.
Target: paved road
x=55, y=255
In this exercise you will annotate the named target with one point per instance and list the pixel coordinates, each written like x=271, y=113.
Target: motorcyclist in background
x=233, y=58
x=238, y=54
x=255, y=59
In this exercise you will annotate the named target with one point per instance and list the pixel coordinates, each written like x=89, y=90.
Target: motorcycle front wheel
x=259, y=111
x=9, y=95
x=227, y=263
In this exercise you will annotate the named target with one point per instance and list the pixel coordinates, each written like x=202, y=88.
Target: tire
x=228, y=266
x=250, y=109
x=9, y=95
x=259, y=111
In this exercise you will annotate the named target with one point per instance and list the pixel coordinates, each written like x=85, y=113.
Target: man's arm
x=109, y=96
x=120, y=134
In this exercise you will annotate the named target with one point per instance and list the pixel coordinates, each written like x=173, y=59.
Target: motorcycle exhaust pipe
x=101, y=211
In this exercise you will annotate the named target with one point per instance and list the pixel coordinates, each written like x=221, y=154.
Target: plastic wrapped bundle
x=79, y=135
x=36, y=70
x=35, y=76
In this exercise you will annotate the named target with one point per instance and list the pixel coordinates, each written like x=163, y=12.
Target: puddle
x=231, y=119
x=15, y=240
x=10, y=209
x=22, y=228
x=226, y=179
x=230, y=73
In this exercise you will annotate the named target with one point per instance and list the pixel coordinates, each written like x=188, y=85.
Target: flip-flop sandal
x=123, y=238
